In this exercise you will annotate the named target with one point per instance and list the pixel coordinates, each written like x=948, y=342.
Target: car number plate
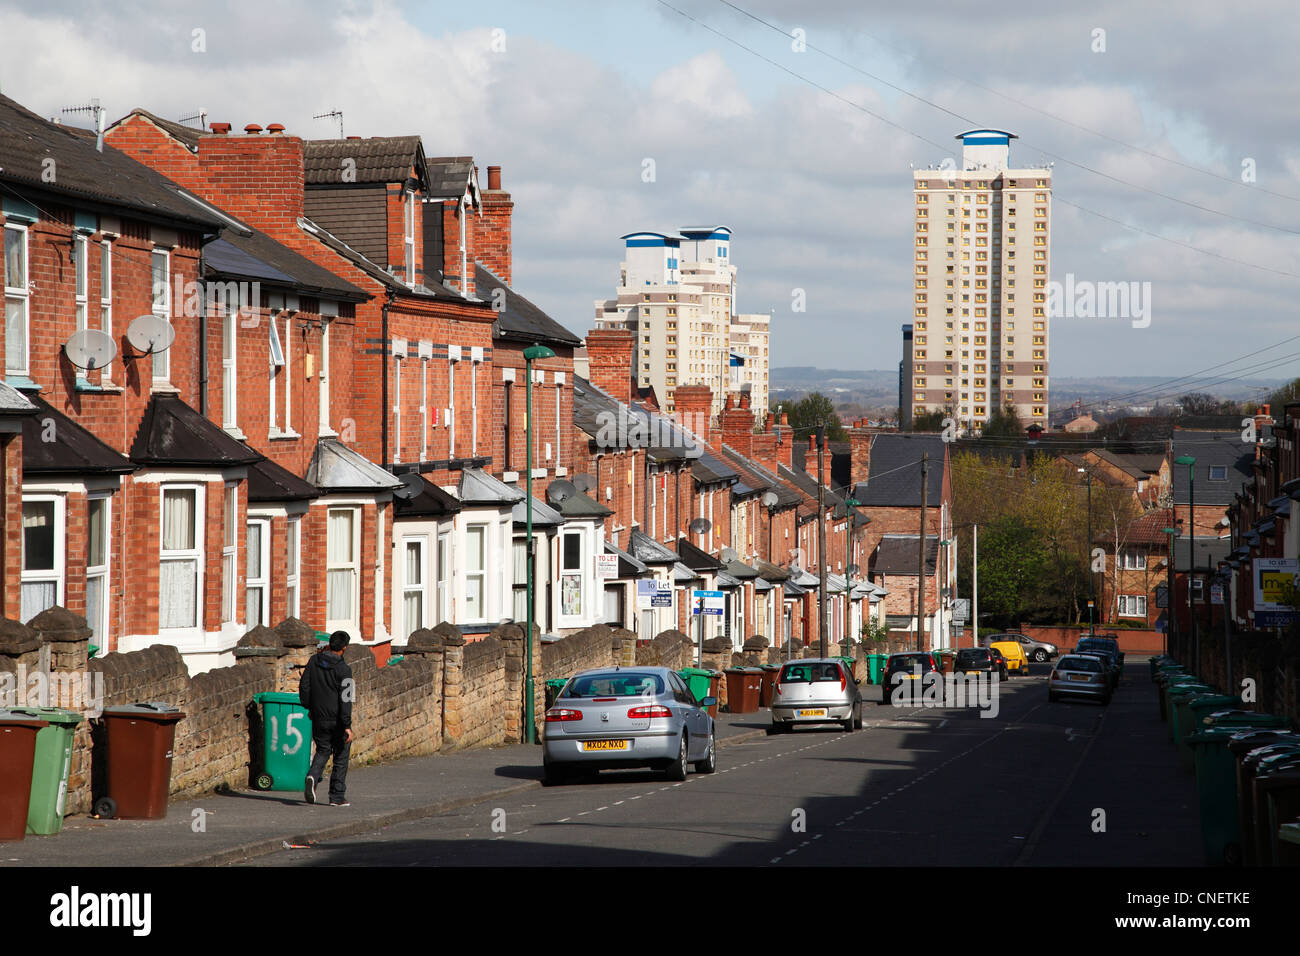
x=821, y=712
x=605, y=745
x=1082, y=677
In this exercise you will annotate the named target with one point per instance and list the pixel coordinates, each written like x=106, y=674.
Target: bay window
x=476, y=572
x=43, y=560
x=180, y=557
x=16, y=300
x=343, y=569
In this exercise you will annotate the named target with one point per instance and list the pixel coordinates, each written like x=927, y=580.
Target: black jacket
x=327, y=691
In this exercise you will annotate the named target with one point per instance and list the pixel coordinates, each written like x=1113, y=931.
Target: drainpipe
x=203, y=327
x=383, y=398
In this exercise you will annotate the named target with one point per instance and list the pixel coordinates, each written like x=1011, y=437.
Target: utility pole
x=975, y=584
x=920, y=571
x=821, y=535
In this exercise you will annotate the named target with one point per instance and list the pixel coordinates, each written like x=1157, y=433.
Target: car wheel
x=847, y=723
x=677, y=771
x=857, y=720
x=710, y=761
x=1040, y=655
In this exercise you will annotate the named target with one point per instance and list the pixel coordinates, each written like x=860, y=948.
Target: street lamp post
x=1092, y=577
x=1169, y=599
x=1190, y=462
x=849, y=504
x=531, y=354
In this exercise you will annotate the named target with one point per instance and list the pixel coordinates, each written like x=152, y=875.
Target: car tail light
x=843, y=680
x=562, y=714
x=933, y=665
x=604, y=700
x=655, y=710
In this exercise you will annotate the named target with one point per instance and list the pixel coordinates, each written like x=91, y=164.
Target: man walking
x=327, y=691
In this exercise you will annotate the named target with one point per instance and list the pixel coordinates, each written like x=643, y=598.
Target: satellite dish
x=701, y=526
x=853, y=569
x=560, y=491
x=584, y=483
x=729, y=555
x=770, y=499
x=90, y=349
x=149, y=334
x=412, y=485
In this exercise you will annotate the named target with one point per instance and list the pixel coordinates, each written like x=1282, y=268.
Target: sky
x=1171, y=126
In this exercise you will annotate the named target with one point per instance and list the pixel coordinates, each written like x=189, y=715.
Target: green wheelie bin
x=875, y=667
x=1279, y=791
x=1191, y=711
x=702, y=683
x=50, y=767
x=1216, y=790
x=1173, y=687
x=1178, y=713
x=286, y=741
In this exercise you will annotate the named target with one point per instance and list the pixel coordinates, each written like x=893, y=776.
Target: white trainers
x=309, y=790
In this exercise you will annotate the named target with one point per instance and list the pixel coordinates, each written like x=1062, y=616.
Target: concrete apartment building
x=677, y=295
x=982, y=262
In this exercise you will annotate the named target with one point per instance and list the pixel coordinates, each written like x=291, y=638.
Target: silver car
x=1080, y=675
x=1034, y=650
x=627, y=717
x=816, y=690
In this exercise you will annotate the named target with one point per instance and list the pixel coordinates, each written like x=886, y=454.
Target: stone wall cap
x=423, y=639
x=17, y=638
x=756, y=642
x=260, y=636
x=58, y=623
x=717, y=645
x=249, y=651
x=296, y=633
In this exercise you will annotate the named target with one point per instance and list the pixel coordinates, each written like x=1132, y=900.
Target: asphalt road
x=1040, y=783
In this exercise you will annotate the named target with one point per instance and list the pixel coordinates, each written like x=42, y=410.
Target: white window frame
x=353, y=623
x=106, y=299
x=81, y=278
x=1135, y=601
x=195, y=553
x=229, y=550
x=519, y=583
x=230, y=369
x=293, y=565
x=473, y=409
x=424, y=408
x=451, y=406
x=102, y=571
x=408, y=237
x=18, y=294
x=56, y=574
x=1131, y=560
x=420, y=587
x=480, y=574
x=580, y=572
x=442, y=576
x=262, y=582
x=278, y=363
x=162, y=308
x=397, y=404
x=329, y=311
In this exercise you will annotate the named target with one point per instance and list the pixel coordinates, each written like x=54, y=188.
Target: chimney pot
x=252, y=129
x=785, y=418
x=354, y=137
x=275, y=128
x=220, y=129
x=494, y=177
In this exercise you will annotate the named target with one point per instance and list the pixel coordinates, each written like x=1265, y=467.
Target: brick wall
x=493, y=229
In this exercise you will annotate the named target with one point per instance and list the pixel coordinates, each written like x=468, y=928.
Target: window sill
x=84, y=386
x=327, y=432
x=163, y=388
x=21, y=382
x=278, y=435
x=234, y=431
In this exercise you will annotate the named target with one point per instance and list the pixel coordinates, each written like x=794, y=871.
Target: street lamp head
x=535, y=352
x=853, y=502
x=1188, y=460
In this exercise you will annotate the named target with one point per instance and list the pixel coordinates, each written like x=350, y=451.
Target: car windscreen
x=1096, y=647
x=621, y=684
x=1079, y=664
x=906, y=662
x=967, y=656
x=809, y=673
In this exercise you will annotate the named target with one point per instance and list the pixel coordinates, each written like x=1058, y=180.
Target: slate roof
x=708, y=469
x=696, y=558
x=808, y=485
x=172, y=433
x=268, y=481
x=373, y=269
x=449, y=176
x=602, y=417
x=579, y=505
x=645, y=548
x=74, y=451
x=741, y=571
x=894, y=478
x=544, y=516
x=1212, y=449
x=628, y=566
x=520, y=320
x=111, y=178
x=683, y=575
x=477, y=487
x=897, y=554
x=259, y=257
x=335, y=467
x=759, y=478
x=14, y=402
x=379, y=159
x=431, y=502
x=770, y=572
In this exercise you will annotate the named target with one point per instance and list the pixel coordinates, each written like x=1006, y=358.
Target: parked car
x=1108, y=642
x=980, y=660
x=1017, y=659
x=1035, y=650
x=903, y=668
x=1112, y=672
x=627, y=717
x=1080, y=675
x=816, y=690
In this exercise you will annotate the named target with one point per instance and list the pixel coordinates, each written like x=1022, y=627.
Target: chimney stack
x=859, y=452
x=493, y=229
x=694, y=406
x=738, y=426
x=609, y=360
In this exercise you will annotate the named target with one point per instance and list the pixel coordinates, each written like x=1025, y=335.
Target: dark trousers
x=331, y=742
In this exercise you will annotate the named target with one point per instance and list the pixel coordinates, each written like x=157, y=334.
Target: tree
x=1201, y=403
x=930, y=421
x=1004, y=423
x=1012, y=569
x=812, y=410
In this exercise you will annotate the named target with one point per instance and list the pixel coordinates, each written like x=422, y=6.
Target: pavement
x=224, y=828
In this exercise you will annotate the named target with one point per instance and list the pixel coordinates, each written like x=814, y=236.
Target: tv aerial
x=412, y=486
x=560, y=491
x=90, y=349
x=150, y=334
